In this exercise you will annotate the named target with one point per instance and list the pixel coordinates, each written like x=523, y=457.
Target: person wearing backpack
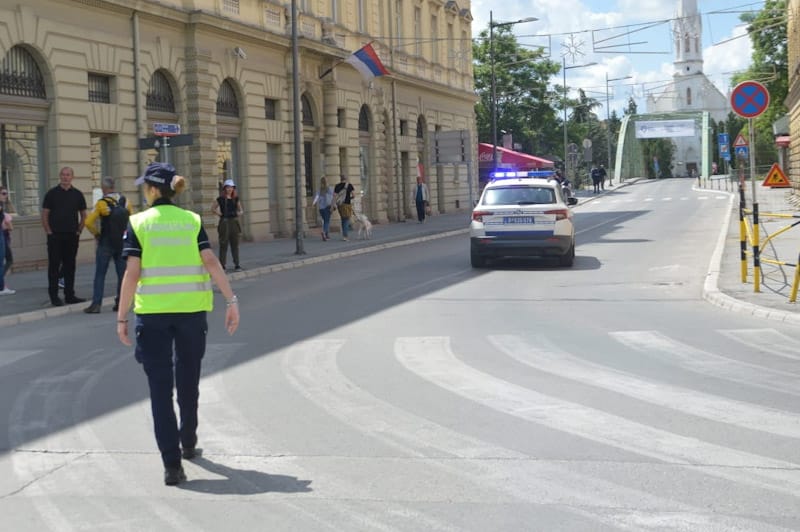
x=112, y=212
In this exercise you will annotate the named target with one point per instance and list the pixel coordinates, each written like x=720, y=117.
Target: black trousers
x=62, y=248
x=170, y=348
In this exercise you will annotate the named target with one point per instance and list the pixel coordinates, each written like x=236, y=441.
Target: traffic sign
x=740, y=141
x=776, y=178
x=749, y=99
x=723, y=138
x=156, y=143
x=166, y=130
x=742, y=152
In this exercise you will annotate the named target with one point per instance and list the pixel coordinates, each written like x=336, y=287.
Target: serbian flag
x=366, y=61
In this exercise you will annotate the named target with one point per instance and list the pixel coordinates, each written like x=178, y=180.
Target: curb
x=716, y=297
x=54, y=312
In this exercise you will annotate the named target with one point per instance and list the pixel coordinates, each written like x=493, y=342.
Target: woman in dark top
x=229, y=208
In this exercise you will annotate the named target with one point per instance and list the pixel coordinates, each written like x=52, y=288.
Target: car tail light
x=477, y=216
x=561, y=214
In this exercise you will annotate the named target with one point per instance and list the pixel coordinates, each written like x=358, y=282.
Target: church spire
x=688, y=35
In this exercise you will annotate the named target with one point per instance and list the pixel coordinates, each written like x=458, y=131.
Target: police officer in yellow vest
x=168, y=276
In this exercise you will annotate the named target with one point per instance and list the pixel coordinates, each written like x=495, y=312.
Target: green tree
x=767, y=31
x=524, y=99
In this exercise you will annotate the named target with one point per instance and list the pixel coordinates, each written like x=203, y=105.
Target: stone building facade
x=792, y=165
x=82, y=81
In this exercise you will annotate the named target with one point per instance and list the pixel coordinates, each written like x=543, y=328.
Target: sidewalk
x=724, y=286
x=723, y=282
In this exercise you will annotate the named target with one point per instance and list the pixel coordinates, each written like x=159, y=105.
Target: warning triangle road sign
x=740, y=141
x=776, y=178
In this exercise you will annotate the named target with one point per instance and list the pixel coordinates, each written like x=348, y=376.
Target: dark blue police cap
x=158, y=174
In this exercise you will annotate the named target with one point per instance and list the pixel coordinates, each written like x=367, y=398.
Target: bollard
x=742, y=235
x=793, y=293
x=756, y=252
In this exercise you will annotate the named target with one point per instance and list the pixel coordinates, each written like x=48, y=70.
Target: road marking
x=432, y=359
x=542, y=354
x=767, y=341
x=312, y=368
x=653, y=343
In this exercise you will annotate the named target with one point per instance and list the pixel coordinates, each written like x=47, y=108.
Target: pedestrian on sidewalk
x=603, y=177
x=229, y=209
x=421, y=198
x=595, y=175
x=343, y=193
x=112, y=211
x=168, y=280
x=7, y=211
x=323, y=199
x=4, y=290
x=63, y=218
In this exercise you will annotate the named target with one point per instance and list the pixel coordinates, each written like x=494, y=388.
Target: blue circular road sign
x=749, y=99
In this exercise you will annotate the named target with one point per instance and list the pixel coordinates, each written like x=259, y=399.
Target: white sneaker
x=7, y=292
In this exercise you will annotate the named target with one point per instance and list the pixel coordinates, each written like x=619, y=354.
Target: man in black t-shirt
x=63, y=218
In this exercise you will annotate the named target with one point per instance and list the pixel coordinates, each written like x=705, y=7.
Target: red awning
x=782, y=141
x=511, y=159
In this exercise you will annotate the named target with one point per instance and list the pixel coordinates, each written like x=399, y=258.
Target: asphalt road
x=403, y=390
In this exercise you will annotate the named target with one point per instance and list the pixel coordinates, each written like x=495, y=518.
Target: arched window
x=688, y=96
x=305, y=111
x=227, y=105
x=420, y=128
x=159, y=94
x=686, y=46
x=20, y=75
x=363, y=119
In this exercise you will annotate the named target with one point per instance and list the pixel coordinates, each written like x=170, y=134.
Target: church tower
x=688, y=33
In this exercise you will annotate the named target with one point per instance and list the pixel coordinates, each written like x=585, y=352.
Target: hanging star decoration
x=572, y=48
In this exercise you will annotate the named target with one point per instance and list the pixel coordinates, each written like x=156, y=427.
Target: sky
x=577, y=27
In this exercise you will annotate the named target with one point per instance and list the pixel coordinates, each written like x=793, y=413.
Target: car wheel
x=568, y=259
x=476, y=260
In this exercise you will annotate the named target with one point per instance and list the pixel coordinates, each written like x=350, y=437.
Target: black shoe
x=174, y=475
x=92, y=309
x=56, y=302
x=72, y=300
x=189, y=453
x=237, y=269
x=115, y=307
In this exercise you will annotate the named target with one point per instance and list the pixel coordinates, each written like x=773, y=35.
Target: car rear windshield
x=519, y=195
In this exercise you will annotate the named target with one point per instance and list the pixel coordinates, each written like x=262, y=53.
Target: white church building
x=690, y=90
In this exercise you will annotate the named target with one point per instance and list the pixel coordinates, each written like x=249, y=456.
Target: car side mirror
x=572, y=200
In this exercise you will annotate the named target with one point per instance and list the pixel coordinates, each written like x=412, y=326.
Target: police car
x=522, y=214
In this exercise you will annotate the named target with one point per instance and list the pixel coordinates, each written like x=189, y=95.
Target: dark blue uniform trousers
x=156, y=334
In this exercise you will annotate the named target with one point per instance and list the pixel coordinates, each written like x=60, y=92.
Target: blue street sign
x=166, y=130
x=742, y=152
x=723, y=138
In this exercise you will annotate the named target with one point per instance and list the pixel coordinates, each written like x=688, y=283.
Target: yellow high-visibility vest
x=173, y=278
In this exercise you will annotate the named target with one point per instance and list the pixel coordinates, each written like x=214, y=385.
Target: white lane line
x=767, y=341
x=227, y=433
x=312, y=368
x=9, y=356
x=542, y=354
x=696, y=360
x=432, y=359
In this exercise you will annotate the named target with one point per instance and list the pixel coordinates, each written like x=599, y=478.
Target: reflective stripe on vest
x=173, y=278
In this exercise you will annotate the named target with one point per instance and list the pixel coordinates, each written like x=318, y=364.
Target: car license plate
x=510, y=220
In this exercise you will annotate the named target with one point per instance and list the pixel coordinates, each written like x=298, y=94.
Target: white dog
x=364, y=226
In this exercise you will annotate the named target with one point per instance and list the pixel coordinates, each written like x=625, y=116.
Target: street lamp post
x=564, y=69
x=492, y=26
x=608, y=126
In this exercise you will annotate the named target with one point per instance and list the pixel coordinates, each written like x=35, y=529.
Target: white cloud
x=728, y=56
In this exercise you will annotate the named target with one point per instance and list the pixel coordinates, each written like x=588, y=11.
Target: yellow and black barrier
x=752, y=235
